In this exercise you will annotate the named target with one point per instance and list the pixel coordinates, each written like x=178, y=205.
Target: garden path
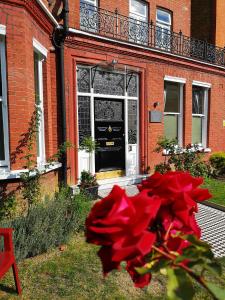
x=211, y=221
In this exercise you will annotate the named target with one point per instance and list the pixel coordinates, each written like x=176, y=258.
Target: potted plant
x=88, y=182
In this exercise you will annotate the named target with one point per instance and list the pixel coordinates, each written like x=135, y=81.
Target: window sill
x=200, y=149
x=5, y=174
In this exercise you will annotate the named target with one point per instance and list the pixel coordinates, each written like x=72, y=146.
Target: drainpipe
x=59, y=35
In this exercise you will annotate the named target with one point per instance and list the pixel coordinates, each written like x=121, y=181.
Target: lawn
x=217, y=189
x=75, y=273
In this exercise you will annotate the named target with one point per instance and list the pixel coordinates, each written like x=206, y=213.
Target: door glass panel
x=132, y=122
x=172, y=93
x=171, y=126
x=108, y=110
x=2, y=151
x=84, y=122
x=132, y=85
x=196, y=130
x=198, y=100
x=108, y=83
x=83, y=80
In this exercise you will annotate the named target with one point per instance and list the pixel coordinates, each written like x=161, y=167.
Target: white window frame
x=4, y=163
x=204, y=117
x=137, y=19
x=42, y=53
x=137, y=16
x=163, y=25
x=181, y=82
x=91, y=2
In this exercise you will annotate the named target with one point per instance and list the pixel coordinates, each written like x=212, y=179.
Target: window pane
x=0, y=79
x=89, y=16
x=2, y=150
x=198, y=100
x=83, y=80
x=109, y=83
x=196, y=130
x=163, y=16
x=171, y=126
x=138, y=7
x=37, y=98
x=84, y=121
x=132, y=122
x=132, y=85
x=36, y=81
x=172, y=97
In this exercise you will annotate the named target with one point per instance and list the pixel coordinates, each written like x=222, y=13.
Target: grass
x=75, y=273
x=217, y=189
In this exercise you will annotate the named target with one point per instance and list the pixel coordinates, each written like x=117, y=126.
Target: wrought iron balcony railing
x=116, y=26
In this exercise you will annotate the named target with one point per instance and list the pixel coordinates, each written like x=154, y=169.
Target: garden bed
x=76, y=274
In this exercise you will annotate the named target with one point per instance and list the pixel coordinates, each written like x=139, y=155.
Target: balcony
x=118, y=27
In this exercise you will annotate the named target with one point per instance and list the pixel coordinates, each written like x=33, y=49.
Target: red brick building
x=132, y=74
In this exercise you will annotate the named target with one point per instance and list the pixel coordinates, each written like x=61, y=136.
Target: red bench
x=7, y=258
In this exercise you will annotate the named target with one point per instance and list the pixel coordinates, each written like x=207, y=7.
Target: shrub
x=188, y=158
x=48, y=224
x=7, y=205
x=217, y=161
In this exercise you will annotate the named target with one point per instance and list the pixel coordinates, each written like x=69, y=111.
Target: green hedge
x=48, y=224
x=217, y=161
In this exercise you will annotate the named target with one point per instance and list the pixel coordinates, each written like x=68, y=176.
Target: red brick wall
x=153, y=67
x=181, y=11
x=21, y=28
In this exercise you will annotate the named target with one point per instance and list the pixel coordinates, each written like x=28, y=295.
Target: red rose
x=178, y=192
x=139, y=280
x=120, y=224
x=178, y=189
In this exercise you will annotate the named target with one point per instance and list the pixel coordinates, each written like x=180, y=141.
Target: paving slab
x=210, y=220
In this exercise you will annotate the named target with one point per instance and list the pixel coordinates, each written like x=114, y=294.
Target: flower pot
x=91, y=192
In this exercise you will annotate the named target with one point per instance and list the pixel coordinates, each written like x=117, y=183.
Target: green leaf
x=217, y=291
x=179, y=286
x=142, y=270
x=214, y=267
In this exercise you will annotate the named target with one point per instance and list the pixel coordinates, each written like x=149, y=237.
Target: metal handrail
x=120, y=27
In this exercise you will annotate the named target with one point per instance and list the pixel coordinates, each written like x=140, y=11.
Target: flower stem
x=198, y=278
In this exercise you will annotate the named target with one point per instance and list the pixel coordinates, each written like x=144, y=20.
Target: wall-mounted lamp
x=156, y=104
x=114, y=62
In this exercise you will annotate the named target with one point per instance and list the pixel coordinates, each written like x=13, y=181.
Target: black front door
x=109, y=134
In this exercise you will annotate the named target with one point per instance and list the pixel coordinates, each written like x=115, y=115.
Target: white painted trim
x=2, y=29
x=4, y=100
x=180, y=115
x=45, y=9
x=202, y=84
x=174, y=79
x=41, y=159
x=76, y=31
x=204, y=116
x=39, y=47
x=16, y=174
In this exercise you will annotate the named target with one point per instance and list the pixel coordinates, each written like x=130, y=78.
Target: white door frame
x=125, y=98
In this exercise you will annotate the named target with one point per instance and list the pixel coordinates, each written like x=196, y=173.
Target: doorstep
x=121, y=181
x=107, y=184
